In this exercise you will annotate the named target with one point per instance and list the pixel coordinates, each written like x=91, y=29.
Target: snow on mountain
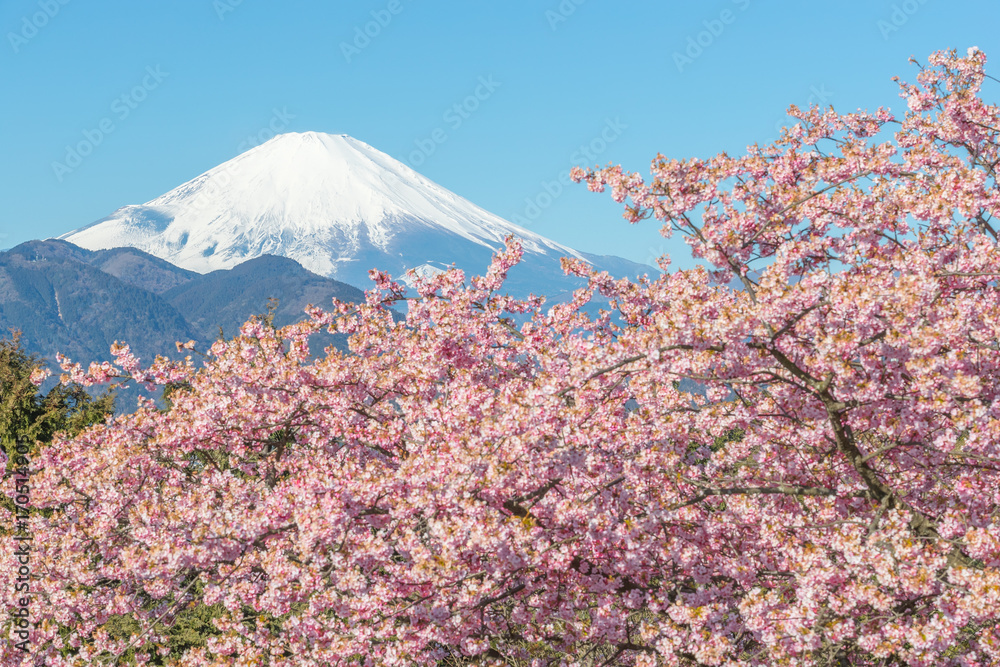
x=338, y=207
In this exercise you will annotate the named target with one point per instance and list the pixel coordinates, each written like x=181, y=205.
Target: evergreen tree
x=27, y=415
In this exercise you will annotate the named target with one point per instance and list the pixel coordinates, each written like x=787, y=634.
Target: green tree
x=27, y=415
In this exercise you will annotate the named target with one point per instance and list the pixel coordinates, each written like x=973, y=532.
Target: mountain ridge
x=67, y=299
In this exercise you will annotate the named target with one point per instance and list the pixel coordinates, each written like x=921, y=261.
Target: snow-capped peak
x=331, y=202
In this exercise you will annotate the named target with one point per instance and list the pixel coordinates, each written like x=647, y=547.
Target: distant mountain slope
x=66, y=299
x=64, y=304
x=140, y=269
x=337, y=206
x=225, y=298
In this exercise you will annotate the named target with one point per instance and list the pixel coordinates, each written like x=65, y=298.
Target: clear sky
x=494, y=100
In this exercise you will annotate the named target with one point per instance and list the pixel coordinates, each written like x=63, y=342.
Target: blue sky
x=495, y=101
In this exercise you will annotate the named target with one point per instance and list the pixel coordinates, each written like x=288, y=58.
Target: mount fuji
x=338, y=207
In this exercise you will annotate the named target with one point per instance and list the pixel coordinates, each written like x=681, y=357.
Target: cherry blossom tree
x=492, y=481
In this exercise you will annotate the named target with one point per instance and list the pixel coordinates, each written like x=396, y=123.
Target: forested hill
x=66, y=299
x=226, y=298
x=62, y=301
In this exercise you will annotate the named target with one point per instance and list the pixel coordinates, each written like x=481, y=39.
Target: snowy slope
x=334, y=204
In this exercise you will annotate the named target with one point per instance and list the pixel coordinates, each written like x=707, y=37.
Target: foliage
x=28, y=417
x=463, y=490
